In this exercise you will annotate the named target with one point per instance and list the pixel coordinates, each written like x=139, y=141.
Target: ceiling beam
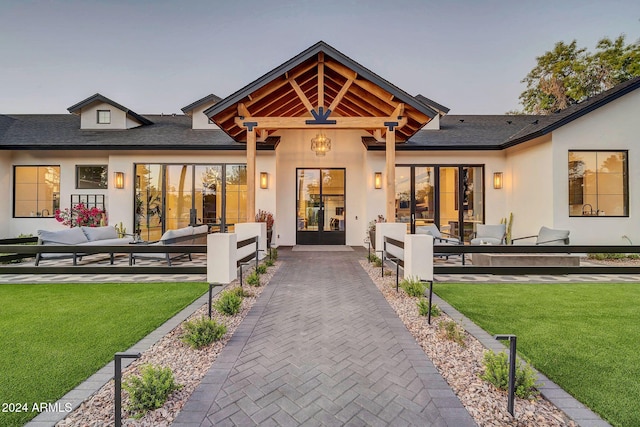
x=341, y=122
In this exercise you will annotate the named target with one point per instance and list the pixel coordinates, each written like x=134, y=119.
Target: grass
x=54, y=336
x=584, y=337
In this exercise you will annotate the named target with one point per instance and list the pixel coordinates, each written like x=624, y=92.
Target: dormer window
x=104, y=117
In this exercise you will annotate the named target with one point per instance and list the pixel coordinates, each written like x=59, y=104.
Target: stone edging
x=579, y=413
x=96, y=381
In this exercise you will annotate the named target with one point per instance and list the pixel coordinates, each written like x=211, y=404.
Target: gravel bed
x=188, y=365
x=461, y=366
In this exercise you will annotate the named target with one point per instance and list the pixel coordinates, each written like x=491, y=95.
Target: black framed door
x=320, y=203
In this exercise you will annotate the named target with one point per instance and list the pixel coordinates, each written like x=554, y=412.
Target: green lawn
x=56, y=335
x=584, y=337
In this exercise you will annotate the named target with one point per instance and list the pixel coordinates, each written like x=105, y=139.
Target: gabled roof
x=75, y=109
x=290, y=89
x=207, y=99
x=549, y=123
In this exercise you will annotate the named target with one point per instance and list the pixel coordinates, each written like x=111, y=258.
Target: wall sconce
x=497, y=180
x=264, y=180
x=119, y=180
x=377, y=180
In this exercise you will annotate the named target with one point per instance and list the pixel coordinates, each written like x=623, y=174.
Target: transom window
x=104, y=117
x=598, y=183
x=36, y=191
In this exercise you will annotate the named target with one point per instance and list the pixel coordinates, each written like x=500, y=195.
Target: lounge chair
x=489, y=234
x=548, y=236
x=439, y=238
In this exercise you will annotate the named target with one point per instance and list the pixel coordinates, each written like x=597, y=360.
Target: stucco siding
x=614, y=126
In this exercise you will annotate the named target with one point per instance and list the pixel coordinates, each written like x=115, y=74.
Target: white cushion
x=201, y=229
x=486, y=241
x=493, y=231
x=549, y=236
x=70, y=236
x=100, y=233
x=180, y=232
x=429, y=229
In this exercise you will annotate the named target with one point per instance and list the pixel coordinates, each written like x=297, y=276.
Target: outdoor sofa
x=182, y=236
x=79, y=236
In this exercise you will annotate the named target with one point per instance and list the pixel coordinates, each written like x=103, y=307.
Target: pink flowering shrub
x=80, y=215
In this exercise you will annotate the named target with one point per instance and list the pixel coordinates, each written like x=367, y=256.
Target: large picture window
x=170, y=196
x=598, y=183
x=36, y=191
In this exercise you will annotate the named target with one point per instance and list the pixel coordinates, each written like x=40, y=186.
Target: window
x=36, y=191
x=598, y=183
x=104, y=117
x=91, y=177
x=170, y=196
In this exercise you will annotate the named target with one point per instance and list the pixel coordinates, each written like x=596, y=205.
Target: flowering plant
x=80, y=215
x=372, y=223
x=265, y=216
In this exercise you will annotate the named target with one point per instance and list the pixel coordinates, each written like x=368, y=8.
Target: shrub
x=228, y=303
x=377, y=262
x=413, y=287
x=202, y=332
x=606, y=256
x=372, y=257
x=150, y=390
x=423, y=308
x=261, y=269
x=451, y=331
x=253, y=279
x=241, y=292
x=497, y=373
x=274, y=253
x=269, y=262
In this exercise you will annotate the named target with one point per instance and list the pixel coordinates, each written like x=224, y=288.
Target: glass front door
x=320, y=218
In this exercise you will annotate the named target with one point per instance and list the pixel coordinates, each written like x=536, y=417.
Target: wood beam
x=242, y=110
x=340, y=94
x=251, y=175
x=341, y=122
x=390, y=156
x=321, y=80
x=301, y=94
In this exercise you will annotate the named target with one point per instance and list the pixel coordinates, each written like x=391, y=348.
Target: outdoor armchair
x=489, y=234
x=439, y=238
x=548, y=236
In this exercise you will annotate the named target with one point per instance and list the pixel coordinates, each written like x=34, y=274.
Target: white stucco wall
x=614, y=126
x=347, y=152
x=529, y=187
x=6, y=173
x=67, y=161
x=199, y=120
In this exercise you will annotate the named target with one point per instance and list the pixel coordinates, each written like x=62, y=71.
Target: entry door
x=320, y=218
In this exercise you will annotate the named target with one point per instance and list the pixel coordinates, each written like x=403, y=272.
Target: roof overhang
x=320, y=88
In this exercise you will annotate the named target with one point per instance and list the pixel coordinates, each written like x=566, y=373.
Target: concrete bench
x=525, y=260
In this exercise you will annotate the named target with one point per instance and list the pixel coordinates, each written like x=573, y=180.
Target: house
x=327, y=145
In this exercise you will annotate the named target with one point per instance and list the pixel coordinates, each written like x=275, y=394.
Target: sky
x=157, y=56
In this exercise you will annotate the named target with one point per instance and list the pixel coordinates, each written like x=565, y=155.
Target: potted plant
x=267, y=217
x=372, y=229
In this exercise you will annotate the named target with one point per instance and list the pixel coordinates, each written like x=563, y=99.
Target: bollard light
x=117, y=378
x=512, y=369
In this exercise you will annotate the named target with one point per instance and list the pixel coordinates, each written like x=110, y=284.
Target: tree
x=568, y=74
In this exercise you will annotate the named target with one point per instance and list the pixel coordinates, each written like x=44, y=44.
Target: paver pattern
x=322, y=347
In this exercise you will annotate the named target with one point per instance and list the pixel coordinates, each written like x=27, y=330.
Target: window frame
x=97, y=187
x=55, y=200
x=625, y=185
x=98, y=116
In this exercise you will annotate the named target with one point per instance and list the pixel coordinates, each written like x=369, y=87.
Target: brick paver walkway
x=322, y=347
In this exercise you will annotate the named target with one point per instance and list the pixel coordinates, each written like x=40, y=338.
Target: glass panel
x=236, y=194
x=308, y=199
x=92, y=177
x=403, y=194
x=424, y=195
x=449, y=201
x=333, y=199
x=208, y=195
x=472, y=201
x=178, y=196
x=148, y=215
x=36, y=190
x=598, y=183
